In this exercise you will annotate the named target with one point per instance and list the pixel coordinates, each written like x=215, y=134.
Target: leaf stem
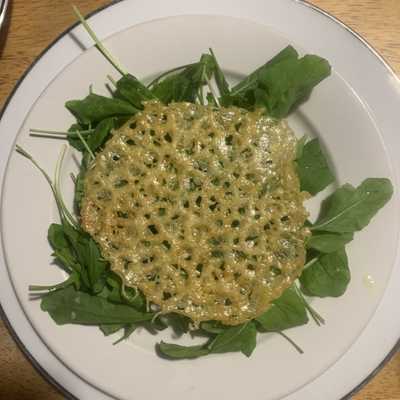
x=112, y=80
x=58, y=133
x=213, y=93
x=311, y=262
x=63, y=212
x=314, y=314
x=85, y=145
x=292, y=342
x=99, y=45
x=40, y=288
x=321, y=225
x=57, y=187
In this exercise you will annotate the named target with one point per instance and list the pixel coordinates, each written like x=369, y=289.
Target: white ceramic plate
x=354, y=112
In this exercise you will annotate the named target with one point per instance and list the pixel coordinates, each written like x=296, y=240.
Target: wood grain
x=34, y=24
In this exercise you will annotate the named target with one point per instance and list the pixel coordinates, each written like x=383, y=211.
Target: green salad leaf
x=281, y=84
x=286, y=312
x=327, y=276
x=179, y=323
x=94, y=108
x=73, y=138
x=110, y=329
x=176, y=351
x=69, y=306
x=128, y=330
x=313, y=169
x=187, y=84
x=350, y=209
x=79, y=182
x=243, y=91
x=220, y=79
x=100, y=134
x=236, y=338
x=213, y=327
x=325, y=242
x=87, y=254
x=133, y=91
x=63, y=254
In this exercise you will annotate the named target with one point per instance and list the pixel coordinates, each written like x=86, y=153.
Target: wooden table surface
x=33, y=24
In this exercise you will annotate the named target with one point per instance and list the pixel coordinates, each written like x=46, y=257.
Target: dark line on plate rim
x=3, y=315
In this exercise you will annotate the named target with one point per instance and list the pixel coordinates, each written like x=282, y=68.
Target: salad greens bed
x=94, y=295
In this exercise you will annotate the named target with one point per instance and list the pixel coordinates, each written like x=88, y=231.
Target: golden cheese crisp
x=200, y=208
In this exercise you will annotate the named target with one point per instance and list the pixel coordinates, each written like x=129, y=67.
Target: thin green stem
x=86, y=146
x=292, y=342
x=311, y=262
x=99, y=45
x=59, y=133
x=200, y=96
x=48, y=136
x=314, y=314
x=112, y=80
x=213, y=93
x=321, y=225
x=40, y=288
x=25, y=154
x=57, y=187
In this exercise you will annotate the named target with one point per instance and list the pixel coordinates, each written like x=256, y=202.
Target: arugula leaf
x=328, y=276
x=128, y=330
x=251, y=81
x=286, y=312
x=348, y=209
x=110, y=329
x=290, y=82
x=176, y=351
x=77, y=251
x=132, y=90
x=120, y=294
x=213, y=327
x=87, y=255
x=62, y=251
x=185, y=85
x=236, y=338
x=220, y=79
x=179, y=323
x=300, y=146
x=328, y=242
x=74, y=139
x=313, y=169
x=69, y=306
x=280, y=85
x=94, y=108
x=96, y=266
x=80, y=180
x=72, y=279
x=101, y=134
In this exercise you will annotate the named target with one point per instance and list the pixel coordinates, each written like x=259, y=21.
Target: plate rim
x=25, y=351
